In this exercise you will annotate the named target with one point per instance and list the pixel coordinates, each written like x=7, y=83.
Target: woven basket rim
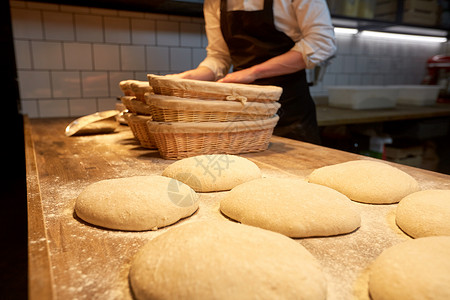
x=212, y=127
x=140, y=107
x=126, y=83
x=253, y=91
x=189, y=104
x=140, y=87
x=126, y=100
x=133, y=116
x=125, y=86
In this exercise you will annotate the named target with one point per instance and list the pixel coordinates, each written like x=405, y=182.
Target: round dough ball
x=225, y=260
x=366, y=181
x=136, y=203
x=212, y=173
x=416, y=269
x=425, y=213
x=292, y=207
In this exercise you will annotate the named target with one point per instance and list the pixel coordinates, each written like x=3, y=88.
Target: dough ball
x=225, y=260
x=136, y=203
x=212, y=173
x=292, y=207
x=366, y=181
x=425, y=213
x=414, y=270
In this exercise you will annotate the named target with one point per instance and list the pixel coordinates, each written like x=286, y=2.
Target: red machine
x=438, y=67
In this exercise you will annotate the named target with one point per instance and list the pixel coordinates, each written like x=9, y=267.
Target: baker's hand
x=242, y=76
x=200, y=73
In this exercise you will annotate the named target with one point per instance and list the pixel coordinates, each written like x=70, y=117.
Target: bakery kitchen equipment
x=438, y=73
x=209, y=90
x=175, y=109
x=359, y=97
x=193, y=117
x=137, y=112
x=184, y=117
x=176, y=140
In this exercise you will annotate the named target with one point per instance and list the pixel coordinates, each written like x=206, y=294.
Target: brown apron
x=252, y=38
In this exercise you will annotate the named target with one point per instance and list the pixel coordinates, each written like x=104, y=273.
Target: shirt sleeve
x=218, y=57
x=317, y=41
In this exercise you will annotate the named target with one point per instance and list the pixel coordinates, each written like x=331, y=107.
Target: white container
x=362, y=96
x=417, y=95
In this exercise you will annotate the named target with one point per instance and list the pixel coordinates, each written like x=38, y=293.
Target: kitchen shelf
x=194, y=8
x=384, y=26
x=390, y=18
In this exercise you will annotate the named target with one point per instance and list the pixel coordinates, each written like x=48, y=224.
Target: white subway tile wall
x=375, y=61
x=71, y=59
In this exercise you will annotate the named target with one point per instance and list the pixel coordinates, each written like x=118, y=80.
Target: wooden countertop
x=70, y=259
x=328, y=116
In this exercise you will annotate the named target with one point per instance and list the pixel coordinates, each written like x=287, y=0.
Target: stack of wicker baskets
x=138, y=111
x=191, y=117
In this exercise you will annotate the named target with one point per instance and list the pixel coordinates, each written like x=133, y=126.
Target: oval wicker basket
x=139, y=107
x=176, y=109
x=138, y=125
x=126, y=100
x=136, y=88
x=208, y=90
x=125, y=86
x=139, y=88
x=178, y=140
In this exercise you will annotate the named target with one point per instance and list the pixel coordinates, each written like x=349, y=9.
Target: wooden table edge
x=40, y=278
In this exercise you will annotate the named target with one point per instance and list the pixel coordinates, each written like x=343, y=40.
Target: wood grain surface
x=70, y=259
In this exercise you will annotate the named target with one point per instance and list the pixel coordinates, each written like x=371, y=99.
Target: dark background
x=174, y=7
x=13, y=211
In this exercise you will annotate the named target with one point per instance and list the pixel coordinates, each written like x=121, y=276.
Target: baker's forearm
x=287, y=63
x=200, y=73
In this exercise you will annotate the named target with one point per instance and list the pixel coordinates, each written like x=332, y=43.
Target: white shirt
x=306, y=22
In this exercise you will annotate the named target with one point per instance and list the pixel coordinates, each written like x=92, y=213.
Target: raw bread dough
x=425, y=213
x=366, y=181
x=212, y=173
x=292, y=207
x=416, y=269
x=136, y=203
x=225, y=260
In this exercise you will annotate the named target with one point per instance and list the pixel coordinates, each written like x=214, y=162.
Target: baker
x=270, y=42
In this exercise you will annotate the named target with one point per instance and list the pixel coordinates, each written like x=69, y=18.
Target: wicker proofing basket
x=180, y=140
x=208, y=90
x=139, y=107
x=126, y=100
x=139, y=88
x=138, y=125
x=175, y=109
x=125, y=86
